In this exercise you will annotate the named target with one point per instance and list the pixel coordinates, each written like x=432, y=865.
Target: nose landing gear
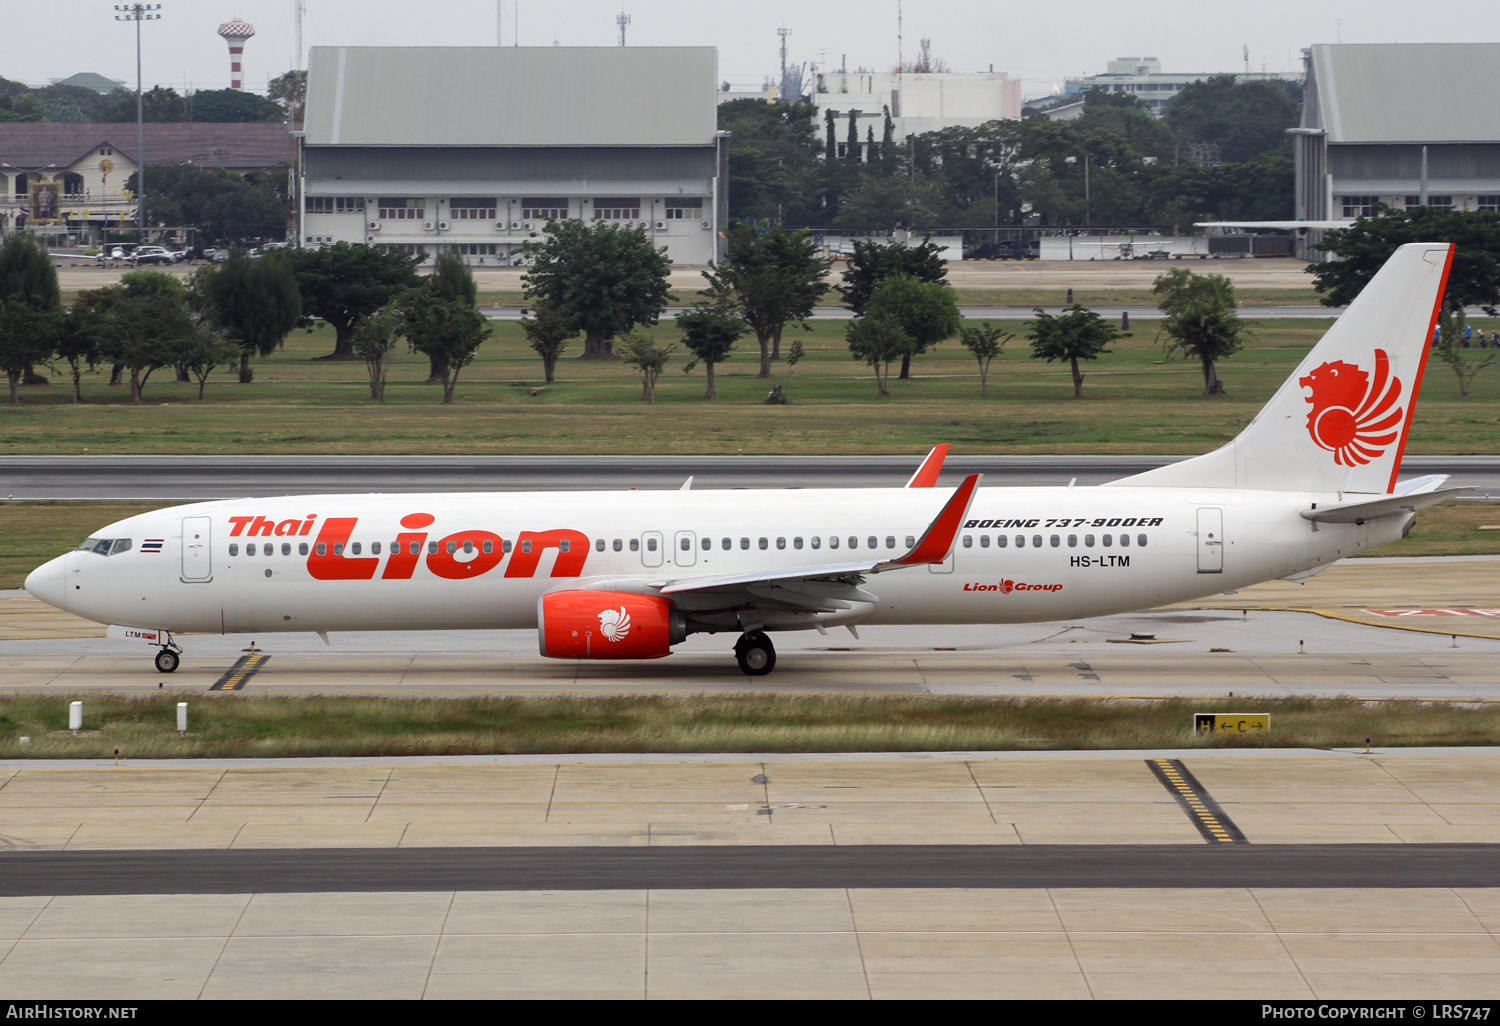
x=755, y=654
x=168, y=656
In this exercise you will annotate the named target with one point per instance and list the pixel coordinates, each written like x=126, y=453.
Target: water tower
x=235, y=33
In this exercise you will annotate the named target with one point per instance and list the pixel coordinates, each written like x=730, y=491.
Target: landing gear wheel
x=166, y=660
x=755, y=654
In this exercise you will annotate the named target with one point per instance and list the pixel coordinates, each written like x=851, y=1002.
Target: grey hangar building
x=1400, y=124
x=473, y=149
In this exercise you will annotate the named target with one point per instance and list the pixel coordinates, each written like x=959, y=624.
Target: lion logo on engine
x=1352, y=417
x=614, y=624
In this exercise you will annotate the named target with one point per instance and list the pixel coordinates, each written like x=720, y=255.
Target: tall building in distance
x=235, y=33
x=1143, y=78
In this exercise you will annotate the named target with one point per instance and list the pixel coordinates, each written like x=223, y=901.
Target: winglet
x=937, y=541
x=927, y=474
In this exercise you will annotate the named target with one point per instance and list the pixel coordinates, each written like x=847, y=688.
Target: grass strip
x=234, y=726
x=1135, y=401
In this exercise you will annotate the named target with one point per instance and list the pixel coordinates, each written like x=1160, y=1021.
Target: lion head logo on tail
x=1352, y=417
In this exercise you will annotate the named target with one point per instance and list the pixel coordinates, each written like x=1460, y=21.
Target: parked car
x=216, y=256
x=152, y=255
x=179, y=255
x=271, y=247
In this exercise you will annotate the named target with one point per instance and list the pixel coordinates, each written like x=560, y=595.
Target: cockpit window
x=105, y=546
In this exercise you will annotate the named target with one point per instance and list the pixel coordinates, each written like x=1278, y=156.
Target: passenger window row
x=745, y=543
x=1055, y=541
x=357, y=548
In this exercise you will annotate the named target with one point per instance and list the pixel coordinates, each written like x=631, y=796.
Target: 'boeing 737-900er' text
x=627, y=575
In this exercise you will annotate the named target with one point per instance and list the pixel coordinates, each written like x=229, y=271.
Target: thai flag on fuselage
x=152, y=544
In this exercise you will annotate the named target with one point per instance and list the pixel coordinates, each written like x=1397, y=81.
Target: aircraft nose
x=46, y=582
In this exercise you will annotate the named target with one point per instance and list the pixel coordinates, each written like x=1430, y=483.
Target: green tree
x=647, y=357
x=446, y=331
x=451, y=279
x=1253, y=190
x=774, y=167
x=1075, y=334
x=1365, y=246
x=984, y=343
x=877, y=343
x=257, y=303
x=611, y=277
x=548, y=330
x=925, y=311
x=157, y=104
x=27, y=335
x=374, y=340
x=74, y=103
x=344, y=283
x=27, y=273
x=224, y=106
x=22, y=107
x=28, y=276
x=147, y=326
x=1242, y=119
x=972, y=171
x=890, y=201
x=1202, y=320
x=709, y=332
x=773, y=278
x=224, y=206
x=78, y=339
x=290, y=90
x=873, y=262
x=205, y=351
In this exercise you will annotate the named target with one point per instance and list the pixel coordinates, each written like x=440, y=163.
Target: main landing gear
x=755, y=653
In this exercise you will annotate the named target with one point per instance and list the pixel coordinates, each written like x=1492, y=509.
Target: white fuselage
x=193, y=569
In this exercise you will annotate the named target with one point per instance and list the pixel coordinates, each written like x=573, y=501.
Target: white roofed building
x=475, y=148
x=1405, y=124
x=918, y=102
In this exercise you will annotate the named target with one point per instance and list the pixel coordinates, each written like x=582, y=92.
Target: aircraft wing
x=837, y=582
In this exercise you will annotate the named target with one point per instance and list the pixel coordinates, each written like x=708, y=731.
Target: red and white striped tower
x=235, y=33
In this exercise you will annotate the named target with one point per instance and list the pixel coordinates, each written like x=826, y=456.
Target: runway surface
x=746, y=867
x=208, y=477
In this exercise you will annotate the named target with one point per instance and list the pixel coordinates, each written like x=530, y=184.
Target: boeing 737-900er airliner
x=627, y=575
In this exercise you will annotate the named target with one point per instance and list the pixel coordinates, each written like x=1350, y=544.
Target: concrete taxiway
x=944, y=874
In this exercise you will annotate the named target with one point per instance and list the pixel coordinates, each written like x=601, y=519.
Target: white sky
x=1041, y=43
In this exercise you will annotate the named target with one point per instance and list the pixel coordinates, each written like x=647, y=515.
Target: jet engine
x=582, y=624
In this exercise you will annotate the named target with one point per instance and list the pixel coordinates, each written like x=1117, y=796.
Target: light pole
x=139, y=13
x=997, y=208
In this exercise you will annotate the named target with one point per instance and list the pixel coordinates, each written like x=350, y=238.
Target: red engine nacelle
x=585, y=624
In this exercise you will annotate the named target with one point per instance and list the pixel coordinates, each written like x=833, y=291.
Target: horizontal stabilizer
x=1379, y=509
